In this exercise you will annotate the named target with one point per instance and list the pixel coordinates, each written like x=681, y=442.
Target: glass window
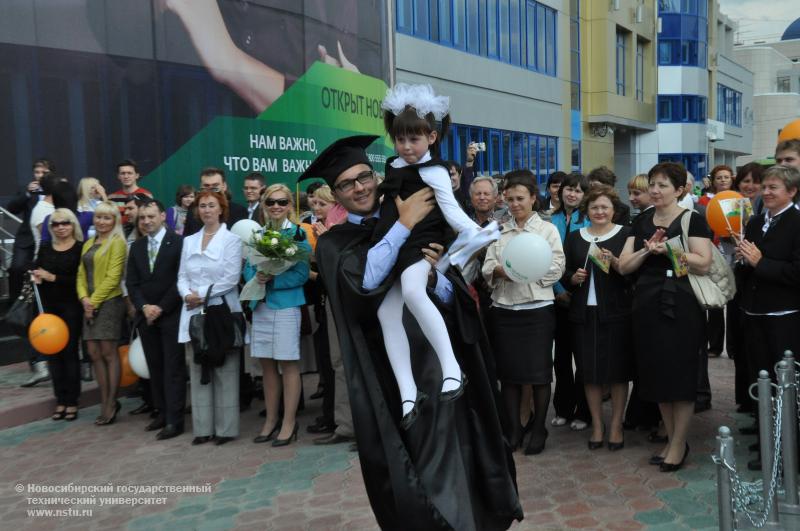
x=575, y=96
x=504, y=31
x=552, y=155
x=530, y=34
x=576, y=155
x=484, y=38
x=664, y=52
x=433, y=20
x=445, y=16
x=551, y=41
x=421, y=21
x=639, y=70
x=541, y=57
x=514, y=33
x=473, y=21
x=620, y=63
x=491, y=27
x=543, y=171
x=669, y=6
x=533, y=154
x=784, y=84
x=495, y=152
x=405, y=24
x=506, y=157
x=664, y=109
x=703, y=105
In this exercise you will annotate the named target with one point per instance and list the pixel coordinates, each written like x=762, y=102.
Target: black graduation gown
x=452, y=469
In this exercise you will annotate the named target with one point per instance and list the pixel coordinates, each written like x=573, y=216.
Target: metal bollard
x=766, y=441
x=785, y=374
x=724, y=488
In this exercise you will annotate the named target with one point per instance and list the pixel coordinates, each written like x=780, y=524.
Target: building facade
x=776, y=98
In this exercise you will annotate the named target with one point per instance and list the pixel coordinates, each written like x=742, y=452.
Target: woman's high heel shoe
x=271, y=435
x=285, y=442
x=672, y=467
x=596, y=445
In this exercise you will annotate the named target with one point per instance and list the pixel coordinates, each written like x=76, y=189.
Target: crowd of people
x=123, y=264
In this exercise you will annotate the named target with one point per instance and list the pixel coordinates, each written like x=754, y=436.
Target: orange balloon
x=790, y=132
x=126, y=375
x=720, y=223
x=48, y=333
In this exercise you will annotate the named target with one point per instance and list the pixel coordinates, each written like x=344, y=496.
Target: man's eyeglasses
x=273, y=202
x=217, y=189
x=349, y=184
x=60, y=223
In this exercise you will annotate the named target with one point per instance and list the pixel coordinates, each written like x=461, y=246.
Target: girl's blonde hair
x=85, y=191
x=65, y=214
x=110, y=209
x=324, y=193
x=292, y=216
x=639, y=182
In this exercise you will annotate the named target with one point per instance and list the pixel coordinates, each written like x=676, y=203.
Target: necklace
x=210, y=233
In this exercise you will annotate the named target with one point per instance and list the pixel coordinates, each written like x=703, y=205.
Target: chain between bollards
x=727, y=519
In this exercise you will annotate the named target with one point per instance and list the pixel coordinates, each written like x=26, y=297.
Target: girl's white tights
x=410, y=291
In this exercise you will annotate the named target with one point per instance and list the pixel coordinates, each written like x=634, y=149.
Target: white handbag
x=718, y=286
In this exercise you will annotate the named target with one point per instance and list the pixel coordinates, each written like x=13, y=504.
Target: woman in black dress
x=668, y=322
x=600, y=311
x=55, y=272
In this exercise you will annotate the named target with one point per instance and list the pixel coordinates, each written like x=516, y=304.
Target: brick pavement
x=319, y=488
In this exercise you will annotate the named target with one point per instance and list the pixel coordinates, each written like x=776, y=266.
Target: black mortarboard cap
x=338, y=157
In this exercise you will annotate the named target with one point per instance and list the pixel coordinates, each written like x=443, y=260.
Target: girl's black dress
x=433, y=228
x=668, y=322
x=601, y=334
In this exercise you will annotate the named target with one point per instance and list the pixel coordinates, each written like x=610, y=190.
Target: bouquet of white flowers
x=271, y=253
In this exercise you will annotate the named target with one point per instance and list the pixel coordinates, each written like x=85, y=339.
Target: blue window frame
x=505, y=150
x=620, y=62
x=422, y=14
x=729, y=105
x=471, y=12
x=405, y=16
x=491, y=29
x=682, y=108
x=515, y=32
x=694, y=162
x=640, y=69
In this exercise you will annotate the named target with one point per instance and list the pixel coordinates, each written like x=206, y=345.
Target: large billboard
x=177, y=85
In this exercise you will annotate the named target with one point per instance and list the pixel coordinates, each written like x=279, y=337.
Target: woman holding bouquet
x=276, y=317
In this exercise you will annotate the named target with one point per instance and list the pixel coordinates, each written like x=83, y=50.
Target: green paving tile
x=686, y=508
x=668, y=527
x=235, y=496
x=698, y=522
x=702, y=486
x=675, y=495
x=659, y=516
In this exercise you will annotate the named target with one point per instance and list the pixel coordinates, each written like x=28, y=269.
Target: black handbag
x=25, y=308
x=200, y=323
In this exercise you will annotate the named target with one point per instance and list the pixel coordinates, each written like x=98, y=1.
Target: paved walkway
x=242, y=485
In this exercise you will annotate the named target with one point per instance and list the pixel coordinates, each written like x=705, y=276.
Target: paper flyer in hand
x=731, y=209
x=596, y=256
x=676, y=251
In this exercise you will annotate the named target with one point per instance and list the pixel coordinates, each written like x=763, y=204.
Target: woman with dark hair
x=549, y=200
x=569, y=399
x=721, y=177
x=176, y=215
x=600, y=311
x=668, y=322
x=747, y=183
x=522, y=315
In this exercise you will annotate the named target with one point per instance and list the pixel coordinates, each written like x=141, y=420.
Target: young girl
x=411, y=113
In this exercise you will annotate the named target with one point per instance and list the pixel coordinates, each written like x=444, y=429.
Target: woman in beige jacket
x=522, y=315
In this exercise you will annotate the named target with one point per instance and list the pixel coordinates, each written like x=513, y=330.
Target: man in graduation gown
x=451, y=469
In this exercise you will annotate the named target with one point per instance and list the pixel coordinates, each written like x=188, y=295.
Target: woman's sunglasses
x=60, y=223
x=273, y=202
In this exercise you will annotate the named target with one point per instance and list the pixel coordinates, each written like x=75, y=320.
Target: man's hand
x=433, y=254
x=33, y=186
x=415, y=208
x=472, y=152
x=579, y=276
x=750, y=252
x=151, y=312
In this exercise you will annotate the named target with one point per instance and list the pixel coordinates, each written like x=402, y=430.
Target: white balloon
x=137, y=360
x=527, y=258
x=244, y=229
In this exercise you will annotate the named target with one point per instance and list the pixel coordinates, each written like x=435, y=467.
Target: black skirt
x=603, y=351
x=668, y=333
x=523, y=344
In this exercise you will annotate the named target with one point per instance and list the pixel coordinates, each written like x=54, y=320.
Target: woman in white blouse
x=211, y=256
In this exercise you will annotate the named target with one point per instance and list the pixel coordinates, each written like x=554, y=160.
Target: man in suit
x=254, y=185
x=152, y=287
x=213, y=180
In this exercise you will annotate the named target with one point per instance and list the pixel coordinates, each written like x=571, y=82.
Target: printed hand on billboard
x=255, y=82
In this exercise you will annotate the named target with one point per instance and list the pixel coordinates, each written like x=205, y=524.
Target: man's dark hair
x=255, y=176
x=149, y=201
x=128, y=162
x=557, y=177
x=454, y=164
x=603, y=175
x=47, y=163
x=49, y=182
x=139, y=199
x=211, y=170
x=65, y=196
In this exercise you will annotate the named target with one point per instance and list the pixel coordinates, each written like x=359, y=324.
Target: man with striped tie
x=152, y=287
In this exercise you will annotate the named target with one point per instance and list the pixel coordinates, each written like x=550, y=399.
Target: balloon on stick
x=527, y=258
x=48, y=334
x=724, y=215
